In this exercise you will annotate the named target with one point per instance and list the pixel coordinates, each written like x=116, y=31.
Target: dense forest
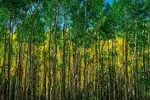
x=74, y=49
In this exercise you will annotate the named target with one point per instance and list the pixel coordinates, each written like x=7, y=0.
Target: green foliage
x=4, y=16
x=91, y=25
x=62, y=65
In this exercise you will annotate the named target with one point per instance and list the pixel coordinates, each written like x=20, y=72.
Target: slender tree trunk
x=101, y=77
x=55, y=52
x=4, y=68
x=69, y=70
x=74, y=71
x=9, y=54
x=25, y=81
x=79, y=73
x=109, y=75
x=44, y=77
x=113, y=68
x=1, y=75
x=136, y=67
x=97, y=81
x=143, y=54
x=64, y=62
x=19, y=75
x=85, y=63
x=49, y=66
x=126, y=67
x=148, y=67
x=32, y=66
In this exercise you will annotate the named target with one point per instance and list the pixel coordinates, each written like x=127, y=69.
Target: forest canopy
x=74, y=49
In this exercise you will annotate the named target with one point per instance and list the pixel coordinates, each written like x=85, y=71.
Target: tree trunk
x=126, y=67
x=9, y=54
x=85, y=63
x=136, y=66
x=4, y=68
x=49, y=67
x=64, y=62
x=55, y=52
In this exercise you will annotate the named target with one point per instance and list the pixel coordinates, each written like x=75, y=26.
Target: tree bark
x=55, y=52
